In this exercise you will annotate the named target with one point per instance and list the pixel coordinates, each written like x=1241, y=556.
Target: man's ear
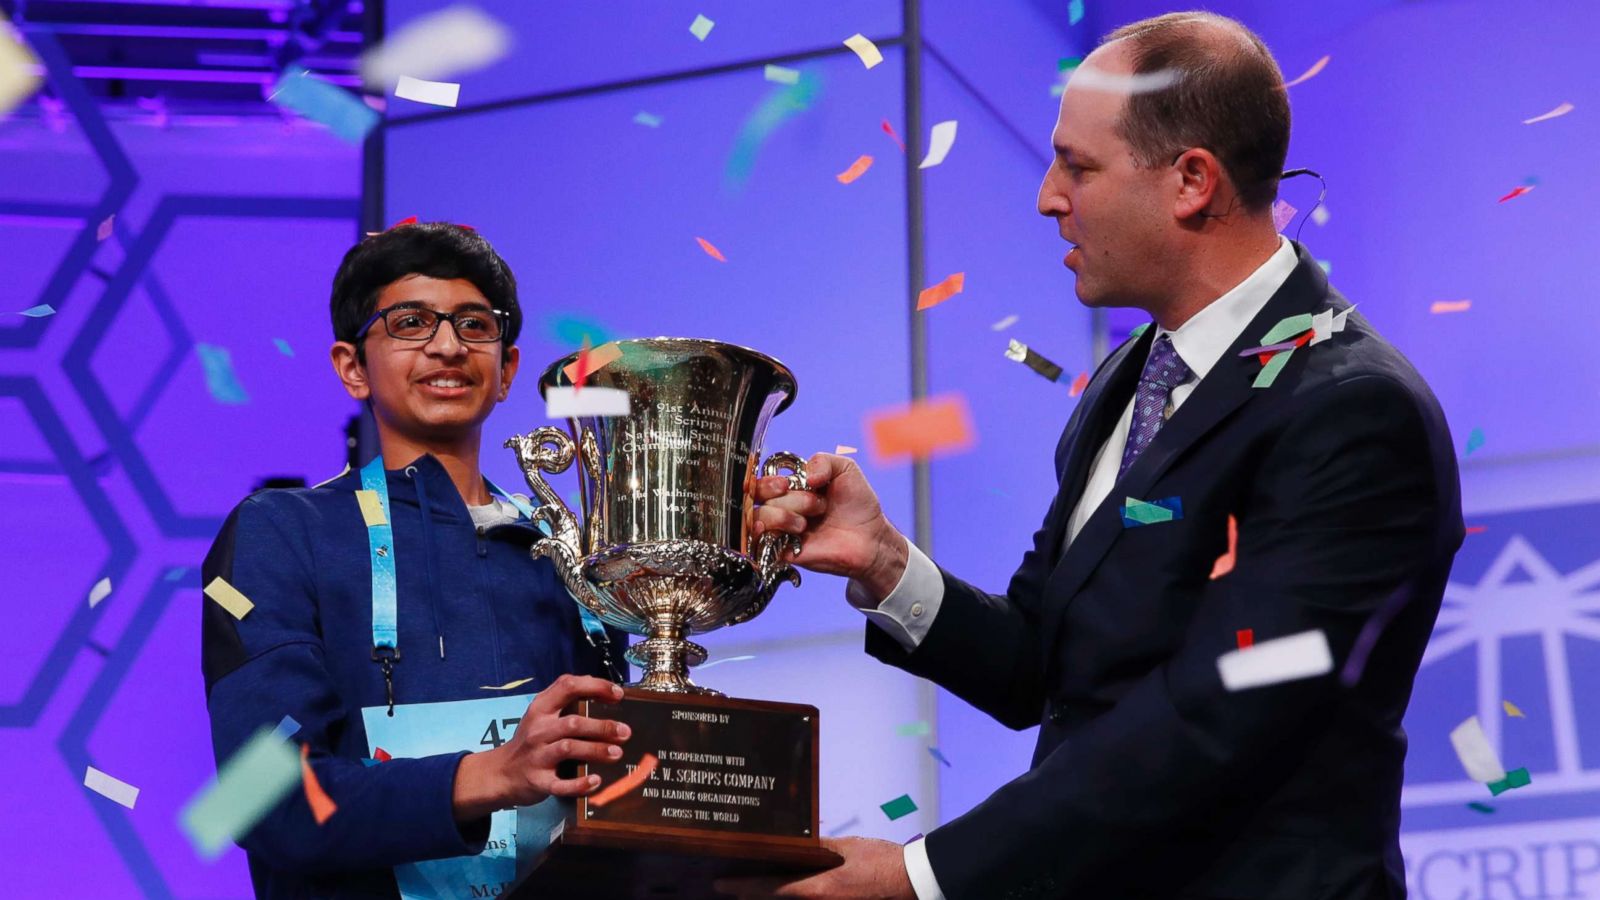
x=1200, y=185
x=348, y=366
x=510, y=359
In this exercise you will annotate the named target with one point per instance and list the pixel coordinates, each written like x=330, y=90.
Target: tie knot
x=1165, y=367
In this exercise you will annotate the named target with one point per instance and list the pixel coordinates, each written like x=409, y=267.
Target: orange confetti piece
x=628, y=782
x=844, y=450
x=944, y=290
x=1518, y=191
x=856, y=170
x=1246, y=637
x=322, y=806
x=918, y=431
x=1225, y=562
x=598, y=359
x=711, y=250
x=1310, y=73
x=1450, y=306
x=1078, y=384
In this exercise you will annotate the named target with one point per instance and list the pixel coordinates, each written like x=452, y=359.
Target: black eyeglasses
x=409, y=322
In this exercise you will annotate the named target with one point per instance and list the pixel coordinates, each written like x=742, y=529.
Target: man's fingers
x=772, y=518
x=591, y=729
x=770, y=488
x=804, y=503
x=570, y=688
x=574, y=787
x=556, y=752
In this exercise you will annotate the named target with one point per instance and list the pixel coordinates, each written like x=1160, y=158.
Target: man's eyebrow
x=1069, y=150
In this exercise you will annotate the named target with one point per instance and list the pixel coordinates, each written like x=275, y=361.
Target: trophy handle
x=770, y=545
x=549, y=449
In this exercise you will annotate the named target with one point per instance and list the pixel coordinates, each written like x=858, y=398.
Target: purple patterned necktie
x=1163, y=371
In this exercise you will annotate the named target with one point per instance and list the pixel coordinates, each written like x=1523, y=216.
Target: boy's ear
x=348, y=366
x=510, y=360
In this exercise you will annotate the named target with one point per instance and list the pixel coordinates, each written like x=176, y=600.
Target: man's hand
x=522, y=771
x=872, y=870
x=842, y=526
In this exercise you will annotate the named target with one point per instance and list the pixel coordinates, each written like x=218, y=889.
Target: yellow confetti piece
x=1561, y=110
x=1310, y=73
x=1511, y=709
x=507, y=686
x=856, y=170
x=599, y=358
x=229, y=598
x=1450, y=306
x=711, y=250
x=864, y=48
x=371, y=508
x=18, y=80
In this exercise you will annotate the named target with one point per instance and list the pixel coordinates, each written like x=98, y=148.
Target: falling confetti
x=1282, y=214
x=773, y=111
x=452, y=41
x=843, y=450
x=571, y=330
x=701, y=26
x=100, y=591
x=889, y=130
x=1078, y=384
x=646, y=119
x=726, y=659
x=1244, y=638
x=322, y=806
x=1440, y=307
x=1518, y=191
x=221, y=381
x=711, y=250
x=598, y=358
x=924, y=428
x=433, y=93
x=1074, y=12
x=1089, y=78
x=1022, y=353
x=510, y=685
x=1310, y=73
x=104, y=229
x=918, y=728
x=899, y=807
x=1514, y=779
x=1480, y=807
x=1559, y=111
x=320, y=101
x=934, y=752
x=1226, y=561
x=1003, y=324
x=864, y=48
x=620, y=787
x=1319, y=215
x=1511, y=709
x=1475, y=439
x=1298, y=656
x=844, y=826
x=1477, y=529
x=286, y=728
x=856, y=170
x=245, y=788
x=944, y=290
x=940, y=140
x=570, y=403
x=18, y=68
x=781, y=74
x=1477, y=755
x=229, y=597
x=40, y=311
x=113, y=789
x=283, y=346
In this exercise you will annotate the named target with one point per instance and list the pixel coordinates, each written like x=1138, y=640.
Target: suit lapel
x=1224, y=389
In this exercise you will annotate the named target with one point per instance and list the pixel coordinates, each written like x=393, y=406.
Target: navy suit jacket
x=1150, y=779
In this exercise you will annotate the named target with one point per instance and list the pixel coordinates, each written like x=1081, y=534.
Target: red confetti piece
x=408, y=220
x=1246, y=637
x=581, y=365
x=856, y=170
x=1477, y=529
x=1226, y=561
x=322, y=806
x=381, y=755
x=1078, y=384
x=889, y=130
x=628, y=782
x=1450, y=306
x=918, y=431
x=944, y=290
x=1518, y=191
x=711, y=250
x=1300, y=341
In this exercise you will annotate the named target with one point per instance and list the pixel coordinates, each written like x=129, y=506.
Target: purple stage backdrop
x=123, y=450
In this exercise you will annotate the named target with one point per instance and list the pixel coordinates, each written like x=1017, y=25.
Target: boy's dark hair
x=1229, y=98
x=435, y=249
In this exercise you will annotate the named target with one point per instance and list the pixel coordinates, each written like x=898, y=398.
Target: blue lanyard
x=380, y=545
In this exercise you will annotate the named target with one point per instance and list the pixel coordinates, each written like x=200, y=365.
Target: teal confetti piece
x=283, y=346
x=1480, y=807
x=1475, y=440
x=320, y=101
x=1068, y=63
x=1514, y=779
x=220, y=378
x=646, y=119
x=1139, y=329
x=701, y=26
x=899, y=807
x=776, y=109
x=40, y=311
x=912, y=729
x=246, y=788
x=1289, y=327
x=1075, y=12
x=177, y=573
x=934, y=752
x=1326, y=265
x=1269, y=372
x=570, y=330
x=287, y=727
x=1137, y=512
x=781, y=74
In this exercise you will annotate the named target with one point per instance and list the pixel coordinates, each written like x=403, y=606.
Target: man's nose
x=1053, y=201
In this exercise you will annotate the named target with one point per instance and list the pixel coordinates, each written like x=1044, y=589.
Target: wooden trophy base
x=733, y=794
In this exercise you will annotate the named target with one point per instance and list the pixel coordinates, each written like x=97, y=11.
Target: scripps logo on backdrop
x=1520, y=625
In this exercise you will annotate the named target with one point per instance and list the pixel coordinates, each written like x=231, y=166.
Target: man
x=1150, y=778
x=425, y=318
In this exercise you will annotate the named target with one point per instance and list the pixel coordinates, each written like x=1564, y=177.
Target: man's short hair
x=435, y=249
x=1229, y=98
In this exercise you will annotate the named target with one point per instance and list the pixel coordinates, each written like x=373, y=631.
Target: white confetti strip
x=113, y=789
x=1303, y=655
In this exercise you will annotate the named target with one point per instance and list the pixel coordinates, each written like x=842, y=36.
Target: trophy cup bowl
x=663, y=547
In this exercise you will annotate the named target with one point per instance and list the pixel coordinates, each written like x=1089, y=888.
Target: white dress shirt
x=908, y=612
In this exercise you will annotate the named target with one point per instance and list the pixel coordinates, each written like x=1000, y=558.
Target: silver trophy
x=664, y=546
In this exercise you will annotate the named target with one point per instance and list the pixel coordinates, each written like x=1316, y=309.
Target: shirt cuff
x=921, y=871
x=907, y=613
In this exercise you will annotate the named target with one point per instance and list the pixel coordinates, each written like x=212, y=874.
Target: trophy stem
x=666, y=656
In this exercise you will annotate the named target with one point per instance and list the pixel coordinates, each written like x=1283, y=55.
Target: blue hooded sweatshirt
x=474, y=609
